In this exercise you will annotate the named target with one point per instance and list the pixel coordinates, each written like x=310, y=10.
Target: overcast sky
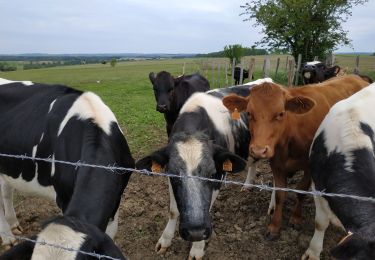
x=142, y=26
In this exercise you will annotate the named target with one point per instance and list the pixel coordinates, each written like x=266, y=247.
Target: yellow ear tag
x=155, y=167
x=235, y=114
x=227, y=166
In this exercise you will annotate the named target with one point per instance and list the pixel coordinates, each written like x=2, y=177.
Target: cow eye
x=280, y=115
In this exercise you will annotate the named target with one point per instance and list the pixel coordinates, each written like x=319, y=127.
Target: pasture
x=239, y=218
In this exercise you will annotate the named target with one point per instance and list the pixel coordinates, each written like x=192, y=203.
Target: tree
x=310, y=27
x=234, y=52
x=113, y=62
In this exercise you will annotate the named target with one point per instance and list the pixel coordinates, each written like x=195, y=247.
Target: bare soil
x=239, y=219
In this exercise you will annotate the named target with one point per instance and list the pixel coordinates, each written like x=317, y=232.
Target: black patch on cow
x=330, y=175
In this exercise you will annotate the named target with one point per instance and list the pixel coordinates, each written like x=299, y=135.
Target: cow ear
x=155, y=161
x=349, y=247
x=233, y=102
x=299, y=105
x=152, y=77
x=22, y=251
x=227, y=161
x=178, y=80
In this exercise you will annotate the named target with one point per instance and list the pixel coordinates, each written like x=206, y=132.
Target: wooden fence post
x=213, y=75
x=241, y=74
x=298, y=69
x=315, y=58
x=218, y=76
x=226, y=75
x=233, y=64
x=356, y=69
x=287, y=63
x=291, y=72
x=266, y=67
x=277, y=66
x=251, y=68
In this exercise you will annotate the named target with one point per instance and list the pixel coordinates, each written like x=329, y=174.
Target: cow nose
x=195, y=234
x=161, y=108
x=260, y=152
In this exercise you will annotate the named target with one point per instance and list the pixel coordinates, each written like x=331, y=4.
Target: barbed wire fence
x=113, y=169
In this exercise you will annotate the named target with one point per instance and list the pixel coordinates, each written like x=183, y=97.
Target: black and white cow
x=342, y=161
x=237, y=75
x=316, y=71
x=203, y=138
x=77, y=235
x=59, y=122
x=171, y=93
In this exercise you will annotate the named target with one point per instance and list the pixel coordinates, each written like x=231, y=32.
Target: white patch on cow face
x=191, y=153
x=51, y=105
x=342, y=124
x=60, y=235
x=5, y=81
x=90, y=106
x=216, y=111
x=259, y=81
x=311, y=63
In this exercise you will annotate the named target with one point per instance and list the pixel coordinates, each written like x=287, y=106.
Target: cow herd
x=324, y=129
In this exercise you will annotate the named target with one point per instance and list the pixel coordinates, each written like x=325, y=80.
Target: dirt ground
x=239, y=220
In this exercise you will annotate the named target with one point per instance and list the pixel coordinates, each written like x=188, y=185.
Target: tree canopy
x=308, y=27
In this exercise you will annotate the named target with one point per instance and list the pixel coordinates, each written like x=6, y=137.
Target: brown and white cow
x=282, y=123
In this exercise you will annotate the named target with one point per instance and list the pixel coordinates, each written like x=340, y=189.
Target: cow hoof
x=9, y=245
x=270, y=211
x=308, y=255
x=244, y=188
x=18, y=230
x=272, y=236
x=296, y=226
x=195, y=258
x=160, y=250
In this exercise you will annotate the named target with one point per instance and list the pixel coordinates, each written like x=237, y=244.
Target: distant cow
x=77, y=235
x=237, y=75
x=282, y=123
x=316, y=71
x=342, y=161
x=203, y=140
x=171, y=93
x=61, y=123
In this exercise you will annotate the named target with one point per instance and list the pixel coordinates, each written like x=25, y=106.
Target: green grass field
x=127, y=91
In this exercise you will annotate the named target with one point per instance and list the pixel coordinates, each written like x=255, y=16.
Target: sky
x=143, y=26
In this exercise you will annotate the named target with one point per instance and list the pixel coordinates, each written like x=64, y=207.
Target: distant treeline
x=4, y=66
x=246, y=52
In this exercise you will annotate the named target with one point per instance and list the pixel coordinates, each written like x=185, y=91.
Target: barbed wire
x=70, y=249
x=123, y=170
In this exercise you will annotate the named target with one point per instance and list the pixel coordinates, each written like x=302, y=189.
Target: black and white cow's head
x=316, y=71
x=163, y=85
x=193, y=155
x=66, y=232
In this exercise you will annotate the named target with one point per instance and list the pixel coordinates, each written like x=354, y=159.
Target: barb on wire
x=45, y=243
x=123, y=170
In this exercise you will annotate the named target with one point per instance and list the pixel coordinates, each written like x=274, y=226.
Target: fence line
x=70, y=249
x=123, y=170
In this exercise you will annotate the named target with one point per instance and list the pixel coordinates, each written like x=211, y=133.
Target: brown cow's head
x=268, y=107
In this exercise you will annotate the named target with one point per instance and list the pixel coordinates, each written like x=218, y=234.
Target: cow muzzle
x=161, y=108
x=193, y=234
x=263, y=152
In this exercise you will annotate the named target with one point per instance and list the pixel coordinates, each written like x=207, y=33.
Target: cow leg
x=10, y=214
x=273, y=229
x=165, y=240
x=112, y=226
x=304, y=184
x=251, y=172
x=197, y=250
x=322, y=219
x=6, y=234
x=271, y=207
